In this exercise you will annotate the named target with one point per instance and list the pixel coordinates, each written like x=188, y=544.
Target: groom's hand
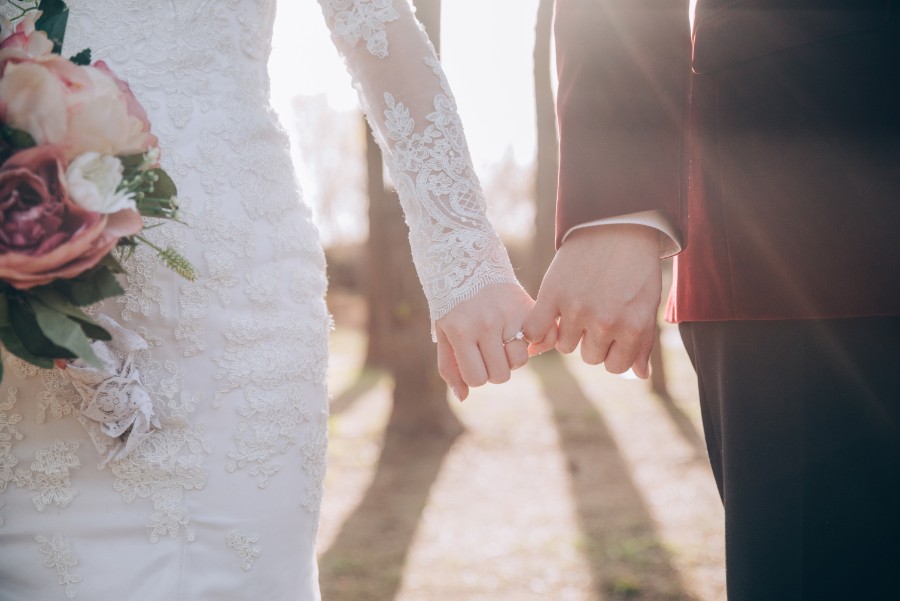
x=603, y=288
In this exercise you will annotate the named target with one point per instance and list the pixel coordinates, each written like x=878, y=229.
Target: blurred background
x=565, y=483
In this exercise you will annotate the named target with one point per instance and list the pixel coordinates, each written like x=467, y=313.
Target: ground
x=569, y=484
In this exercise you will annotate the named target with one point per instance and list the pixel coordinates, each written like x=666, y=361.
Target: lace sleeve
x=409, y=105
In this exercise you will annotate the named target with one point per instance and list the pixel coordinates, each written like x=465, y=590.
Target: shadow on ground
x=685, y=426
x=627, y=559
x=366, y=560
x=367, y=379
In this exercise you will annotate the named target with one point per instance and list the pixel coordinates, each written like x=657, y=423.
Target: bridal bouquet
x=79, y=170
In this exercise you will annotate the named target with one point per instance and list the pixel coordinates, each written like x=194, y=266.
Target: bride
x=218, y=495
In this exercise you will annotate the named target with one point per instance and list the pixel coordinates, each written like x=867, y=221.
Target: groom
x=765, y=143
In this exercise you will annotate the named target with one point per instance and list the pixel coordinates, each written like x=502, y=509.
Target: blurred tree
x=547, y=163
x=384, y=226
x=658, y=382
x=399, y=338
x=509, y=188
x=324, y=139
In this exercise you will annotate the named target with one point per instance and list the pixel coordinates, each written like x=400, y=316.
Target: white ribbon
x=116, y=409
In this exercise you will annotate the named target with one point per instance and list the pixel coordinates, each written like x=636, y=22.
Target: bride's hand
x=476, y=340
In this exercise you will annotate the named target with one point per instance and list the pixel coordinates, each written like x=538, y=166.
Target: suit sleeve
x=624, y=76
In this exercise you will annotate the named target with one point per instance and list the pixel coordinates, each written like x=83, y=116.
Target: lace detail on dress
x=9, y=432
x=167, y=464
x=57, y=397
x=267, y=429
x=245, y=548
x=455, y=248
x=142, y=292
x=49, y=476
x=60, y=558
x=362, y=19
x=315, y=459
x=272, y=357
x=266, y=353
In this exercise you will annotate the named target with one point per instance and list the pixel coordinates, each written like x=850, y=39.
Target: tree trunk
x=399, y=326
x=547, y=164
x=378, y=283
x=429, y=13
x=420, y=396
x=658, y=382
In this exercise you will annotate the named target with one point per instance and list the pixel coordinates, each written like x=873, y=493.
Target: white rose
x=151, y=159
x=93, y=181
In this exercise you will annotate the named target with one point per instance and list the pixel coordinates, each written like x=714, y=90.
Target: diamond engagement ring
x=520, y=335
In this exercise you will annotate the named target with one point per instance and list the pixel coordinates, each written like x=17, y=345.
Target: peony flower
x=93, y=181
x=80, y=108
x=44, y=235
x=22, y=40
x=135, y=110
x=32, y=97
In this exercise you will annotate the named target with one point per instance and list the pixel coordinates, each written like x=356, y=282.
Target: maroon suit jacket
x=770, y=135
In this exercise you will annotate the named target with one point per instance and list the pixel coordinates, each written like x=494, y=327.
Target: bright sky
x=486, y=51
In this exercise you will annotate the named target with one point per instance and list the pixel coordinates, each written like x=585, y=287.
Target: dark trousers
x=802, y=423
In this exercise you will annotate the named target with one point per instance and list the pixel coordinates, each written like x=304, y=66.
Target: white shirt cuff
x=669, y=244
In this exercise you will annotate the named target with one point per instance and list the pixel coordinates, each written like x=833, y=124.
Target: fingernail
x=457, y=394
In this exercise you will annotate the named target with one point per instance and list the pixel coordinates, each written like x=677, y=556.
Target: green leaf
x=112, y=263
x=4, y=311
x=17, y=138
x=53, y=20
x=60, y=304
x=159, y=208
x=24, y=324
x=64, y=332
x=164, y=187
x=91, y=287
x=83, y=58
x=132, y=161
x=12, y=344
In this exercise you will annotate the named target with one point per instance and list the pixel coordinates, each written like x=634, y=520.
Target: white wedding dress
x=217, y=495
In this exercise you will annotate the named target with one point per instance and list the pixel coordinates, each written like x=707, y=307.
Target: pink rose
x=23, y=41
x=135, y=110
x=44, y=236
x=81, y=109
